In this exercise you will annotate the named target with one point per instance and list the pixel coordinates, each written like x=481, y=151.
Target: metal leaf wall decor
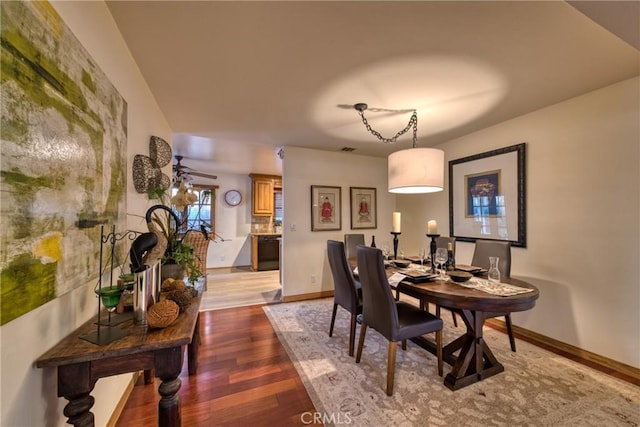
x=147, y=173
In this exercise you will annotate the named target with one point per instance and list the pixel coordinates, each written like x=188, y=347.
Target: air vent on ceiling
x=347, y=149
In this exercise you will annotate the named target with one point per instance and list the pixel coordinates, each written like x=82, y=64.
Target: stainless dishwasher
x=268, y=252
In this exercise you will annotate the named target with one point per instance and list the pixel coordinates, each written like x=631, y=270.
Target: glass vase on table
x=494, y=273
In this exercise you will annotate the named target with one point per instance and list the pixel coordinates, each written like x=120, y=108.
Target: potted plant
x=179, y=258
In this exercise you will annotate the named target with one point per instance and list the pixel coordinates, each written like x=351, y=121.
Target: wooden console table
x=81, y=363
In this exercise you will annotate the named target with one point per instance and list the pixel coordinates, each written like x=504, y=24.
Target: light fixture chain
x=413, y=122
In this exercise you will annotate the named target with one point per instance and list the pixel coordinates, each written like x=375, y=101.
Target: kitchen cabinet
x=262, y=193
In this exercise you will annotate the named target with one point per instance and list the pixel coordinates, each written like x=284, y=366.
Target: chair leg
x=439, y=350
x=512, y=339
x=363, y=331
x=391, y=367
x=333, y=319
x=404, y=345
x=352, y=335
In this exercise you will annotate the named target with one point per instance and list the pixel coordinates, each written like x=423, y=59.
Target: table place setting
x=412, y=273
x=470, y=269
x=395, y=279
x=494, y=288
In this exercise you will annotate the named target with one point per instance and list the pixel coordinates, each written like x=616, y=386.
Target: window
x=277, y=207
x=202, y=212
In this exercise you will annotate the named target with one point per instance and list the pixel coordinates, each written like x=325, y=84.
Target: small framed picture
x=364, y=212
x=326, y=209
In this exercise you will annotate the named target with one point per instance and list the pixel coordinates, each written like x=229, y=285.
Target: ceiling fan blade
x=203, y=175
x=185, y=171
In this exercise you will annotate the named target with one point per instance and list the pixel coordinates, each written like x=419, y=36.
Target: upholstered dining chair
x=395, y=320
x=351, y=241
x=346, y=293
x=443, y=242
x=488, y=248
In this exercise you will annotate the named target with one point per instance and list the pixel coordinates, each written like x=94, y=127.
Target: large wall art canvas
x=63, y=168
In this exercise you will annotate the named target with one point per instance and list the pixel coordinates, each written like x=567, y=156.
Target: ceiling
x=238, y=80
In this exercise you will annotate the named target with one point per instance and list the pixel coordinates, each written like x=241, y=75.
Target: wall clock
x=233, y=197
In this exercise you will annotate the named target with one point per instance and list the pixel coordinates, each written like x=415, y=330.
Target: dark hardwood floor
x=244, y=378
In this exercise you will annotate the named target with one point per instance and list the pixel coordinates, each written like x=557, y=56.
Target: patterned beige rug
x=537, y=388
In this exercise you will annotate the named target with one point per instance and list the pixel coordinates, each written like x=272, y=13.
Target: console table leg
x=78, y=410
x=75, y=384
x=193, y=348
x=169, y=404
x=168, y=364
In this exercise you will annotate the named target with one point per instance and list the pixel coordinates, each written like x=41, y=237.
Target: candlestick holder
x=395, y=244
x=432, y=250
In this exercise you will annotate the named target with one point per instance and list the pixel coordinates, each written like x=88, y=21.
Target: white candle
x=396, y=222
x=432, y=227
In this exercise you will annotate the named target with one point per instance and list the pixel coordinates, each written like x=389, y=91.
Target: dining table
x=470, y=356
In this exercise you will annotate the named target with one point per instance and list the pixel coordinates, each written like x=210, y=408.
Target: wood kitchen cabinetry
x=262, y=191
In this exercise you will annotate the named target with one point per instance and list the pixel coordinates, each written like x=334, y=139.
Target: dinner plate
x=469, y=268
x=419, y=276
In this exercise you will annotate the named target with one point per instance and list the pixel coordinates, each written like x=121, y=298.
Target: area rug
x=537, y=388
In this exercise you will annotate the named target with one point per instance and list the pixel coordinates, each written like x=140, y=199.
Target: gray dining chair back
x=351, y=241
x=395, y=320
x=379, y=307
x=443, y=242
x=489, y=248
x=346, y=292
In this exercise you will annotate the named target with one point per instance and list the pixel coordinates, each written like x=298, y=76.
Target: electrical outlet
x=313, y=278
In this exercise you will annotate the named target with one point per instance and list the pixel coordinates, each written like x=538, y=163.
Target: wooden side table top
x=140, y=339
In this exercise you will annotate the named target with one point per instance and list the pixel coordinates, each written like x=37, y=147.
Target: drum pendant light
x=413, y=170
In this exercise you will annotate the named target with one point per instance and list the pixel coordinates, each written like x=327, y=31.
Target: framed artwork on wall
x=326, y=209
x=64, y=160
x=487, y=196
x=363, y=208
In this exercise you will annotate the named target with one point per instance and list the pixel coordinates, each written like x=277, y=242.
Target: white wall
x=305, y=251
x=29, y=394
x=233, y=224
x=583, y=217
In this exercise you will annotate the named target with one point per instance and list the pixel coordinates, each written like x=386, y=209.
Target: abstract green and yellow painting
x=63, y=138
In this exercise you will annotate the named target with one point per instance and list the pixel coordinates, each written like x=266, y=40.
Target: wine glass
x=385, y=250
x=441, y=258
x=422, y=254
